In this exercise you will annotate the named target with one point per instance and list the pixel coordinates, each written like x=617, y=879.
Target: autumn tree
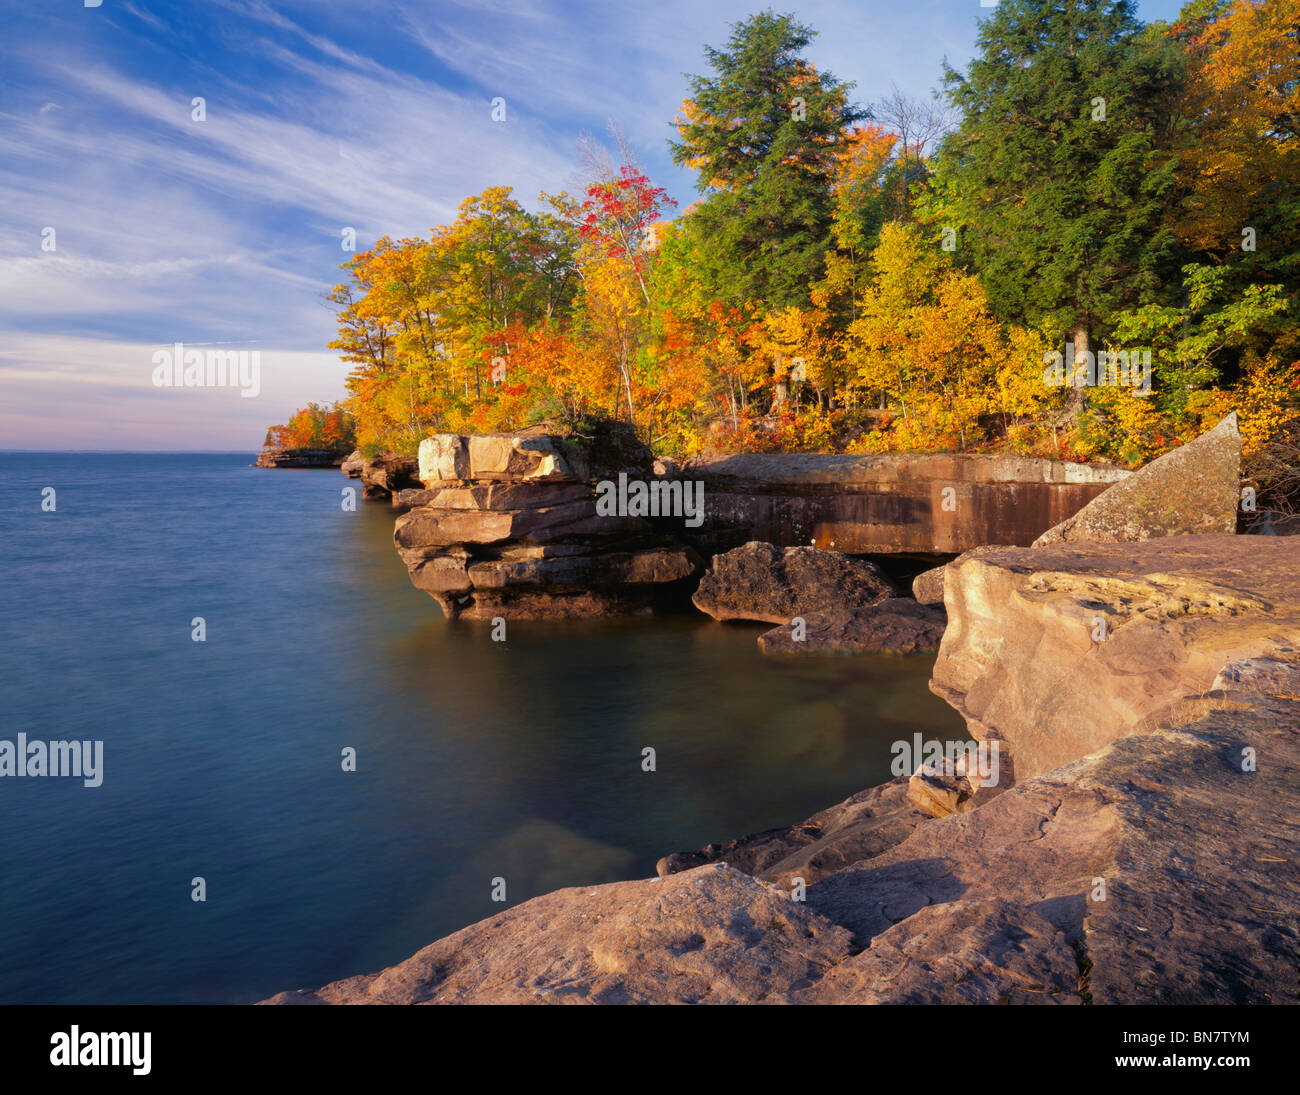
x=315, y=426
x=928, y=345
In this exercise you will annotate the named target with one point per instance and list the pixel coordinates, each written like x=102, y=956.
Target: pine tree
x=1060, y=171
x=764, y=132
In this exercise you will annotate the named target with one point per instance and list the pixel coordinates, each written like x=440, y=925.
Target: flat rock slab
x=860, y=827
x=712, y=935
x=1155, y=871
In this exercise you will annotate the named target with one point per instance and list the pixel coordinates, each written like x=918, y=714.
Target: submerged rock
x=860, y=827
x=1145, y=853
x=897, y=625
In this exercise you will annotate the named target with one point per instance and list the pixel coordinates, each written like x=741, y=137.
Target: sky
x=128, y=224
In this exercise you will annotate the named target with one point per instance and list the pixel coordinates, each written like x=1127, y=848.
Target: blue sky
x=371, y=114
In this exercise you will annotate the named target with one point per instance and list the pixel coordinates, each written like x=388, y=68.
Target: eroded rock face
x=762, y=582
x=1117, y=635
x=930, y=503
x=384, y=476
x=1193, y=489
x=517, y=457
x=506, y=526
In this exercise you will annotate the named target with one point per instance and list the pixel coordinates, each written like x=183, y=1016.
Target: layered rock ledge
x=299, y=458
x=383, y=476
x=508, y=526
x=1146, y=853
x=1057, y=651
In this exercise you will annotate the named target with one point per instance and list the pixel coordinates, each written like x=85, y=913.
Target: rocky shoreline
x=299, y=458
x=1137, y=675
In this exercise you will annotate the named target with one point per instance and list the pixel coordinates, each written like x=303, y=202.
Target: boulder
x=941, y=789
x=1193, y=489
x=352, y=464
x=1118, y=635
x=897, y=625
x=927, y=587
x=762, y=582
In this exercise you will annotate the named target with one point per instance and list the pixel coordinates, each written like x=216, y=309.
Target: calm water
x=476, y=759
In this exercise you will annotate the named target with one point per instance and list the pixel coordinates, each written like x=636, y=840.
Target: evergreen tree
x=1060, y=173
x=763, y=132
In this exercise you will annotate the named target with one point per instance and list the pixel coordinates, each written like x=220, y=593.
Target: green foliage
x=1064, y=212
x=763, y=133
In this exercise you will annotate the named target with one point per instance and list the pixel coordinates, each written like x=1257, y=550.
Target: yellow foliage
x=1265, y=403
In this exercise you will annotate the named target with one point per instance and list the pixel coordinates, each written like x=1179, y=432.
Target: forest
x=897, y=276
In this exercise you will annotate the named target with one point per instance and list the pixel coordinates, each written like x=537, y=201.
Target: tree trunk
x=782, y=388
x=1078, y=390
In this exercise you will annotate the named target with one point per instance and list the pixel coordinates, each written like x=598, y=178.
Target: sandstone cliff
x=508, y=525
x=382, y=476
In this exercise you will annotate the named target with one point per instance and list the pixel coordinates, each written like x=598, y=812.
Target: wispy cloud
x=370, y=114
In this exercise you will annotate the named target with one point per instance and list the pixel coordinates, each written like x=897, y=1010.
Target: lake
x=475, y=759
